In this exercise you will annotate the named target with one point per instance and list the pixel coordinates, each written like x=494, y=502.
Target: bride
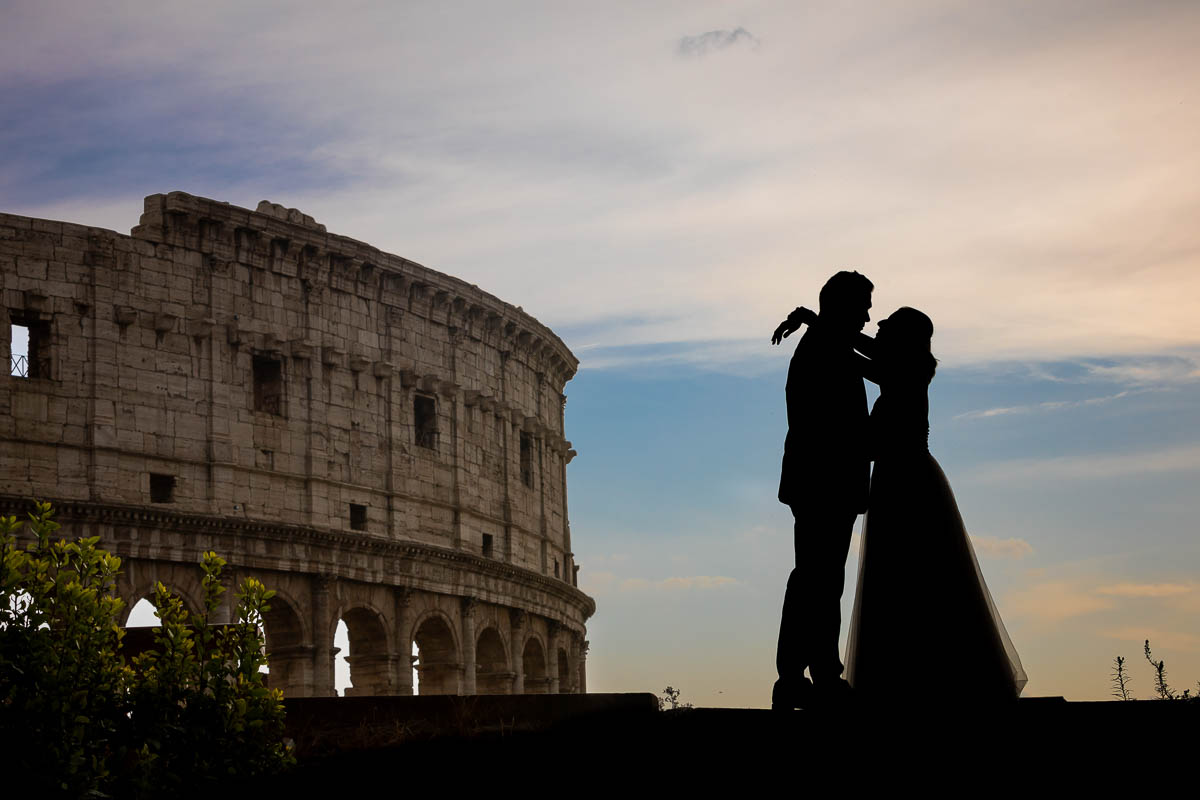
x=917, y=570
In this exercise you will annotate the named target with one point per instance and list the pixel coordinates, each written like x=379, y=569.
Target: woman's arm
x=868, y=367
x=788, y=326
x=865, y=344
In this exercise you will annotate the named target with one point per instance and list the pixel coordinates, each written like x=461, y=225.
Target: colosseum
x=378, y=442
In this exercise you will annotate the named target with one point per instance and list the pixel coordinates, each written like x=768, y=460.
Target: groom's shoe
x=788, y=695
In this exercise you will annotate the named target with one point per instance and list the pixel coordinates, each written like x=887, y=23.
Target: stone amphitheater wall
x=371, y=435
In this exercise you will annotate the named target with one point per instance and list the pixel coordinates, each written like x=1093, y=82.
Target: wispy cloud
x=1159, y=371
x=603, y=582
x=1049, y=405
x=1051, y=602
x=1146, y=589
x=1160, y=638
x=712, y=192
x=1098, y=466
x=1002, y=548
x=705, y=43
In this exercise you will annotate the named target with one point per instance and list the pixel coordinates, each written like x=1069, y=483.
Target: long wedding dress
x=922, y=611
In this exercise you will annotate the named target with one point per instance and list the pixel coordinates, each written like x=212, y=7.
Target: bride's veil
x=855, y=621
x=1014, y=660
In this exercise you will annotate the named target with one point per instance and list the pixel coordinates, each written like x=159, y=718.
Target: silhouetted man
x=825, y=480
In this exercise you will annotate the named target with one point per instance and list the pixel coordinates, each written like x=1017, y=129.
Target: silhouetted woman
x=921, y=608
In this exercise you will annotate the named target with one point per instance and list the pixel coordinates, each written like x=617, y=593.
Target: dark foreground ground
x=498, y=744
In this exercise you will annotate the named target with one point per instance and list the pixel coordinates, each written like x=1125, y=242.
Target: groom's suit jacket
x=825, y=456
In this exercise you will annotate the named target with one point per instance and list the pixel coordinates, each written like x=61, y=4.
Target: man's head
x=845, y=302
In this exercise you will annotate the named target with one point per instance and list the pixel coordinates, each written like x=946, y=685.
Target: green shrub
x=80, y=721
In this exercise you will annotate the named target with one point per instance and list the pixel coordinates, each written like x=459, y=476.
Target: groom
x=825, y=480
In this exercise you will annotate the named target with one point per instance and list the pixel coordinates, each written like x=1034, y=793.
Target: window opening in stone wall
x=19, y=360
x=425, y=421
x=527, y=459
x=268, y=385
x=556, y=568
x=358, y=517
x=162, y=488
x=487, y=545
x=30, y=343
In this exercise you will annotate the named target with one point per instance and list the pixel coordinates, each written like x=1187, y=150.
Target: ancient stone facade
x=380, y=443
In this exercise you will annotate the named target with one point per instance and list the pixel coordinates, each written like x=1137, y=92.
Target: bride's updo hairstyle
x=909, y=337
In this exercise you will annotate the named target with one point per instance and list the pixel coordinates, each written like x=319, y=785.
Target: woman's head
x=906, y=337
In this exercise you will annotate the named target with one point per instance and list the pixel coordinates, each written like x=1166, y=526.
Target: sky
x=660, y=183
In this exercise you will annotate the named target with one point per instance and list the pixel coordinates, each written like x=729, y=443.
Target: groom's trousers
x=812, y=605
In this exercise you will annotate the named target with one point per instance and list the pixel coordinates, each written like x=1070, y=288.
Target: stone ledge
x=76, y=511
x=972, y=752
x=325, y=725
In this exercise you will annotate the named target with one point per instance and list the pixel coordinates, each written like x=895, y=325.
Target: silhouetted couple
x=920, y=594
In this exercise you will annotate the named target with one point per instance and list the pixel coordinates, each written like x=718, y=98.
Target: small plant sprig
x=1160, y=675
x=1120, y=680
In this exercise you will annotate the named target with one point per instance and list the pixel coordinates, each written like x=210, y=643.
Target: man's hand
x=800, y=316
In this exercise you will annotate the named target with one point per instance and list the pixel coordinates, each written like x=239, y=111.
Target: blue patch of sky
x=104, y=136
x=1077, y=414
x=672, y=453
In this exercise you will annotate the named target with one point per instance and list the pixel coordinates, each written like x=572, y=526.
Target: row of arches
x=428, y=644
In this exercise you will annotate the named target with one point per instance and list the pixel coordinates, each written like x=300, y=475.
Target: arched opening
x=534, y=659
x=367, y=667
x=492, y=675
x=416, y=674
x=140, y=621
x=564, y=674
x=341, y=667
x=142, y=615
x=142, y=612
x=289, y=659
x=436, y=658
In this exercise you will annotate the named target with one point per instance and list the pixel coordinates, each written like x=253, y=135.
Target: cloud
x=1146, y=589
x=1160, y=639
x=1099, y=466
x=601, y=559
x=1164, y=370
x=705, y=43
x=697, y=582
x=603, y=582
x=1050, y=602
x=1002, y=548
x=1050, y=405
x=708, y=194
